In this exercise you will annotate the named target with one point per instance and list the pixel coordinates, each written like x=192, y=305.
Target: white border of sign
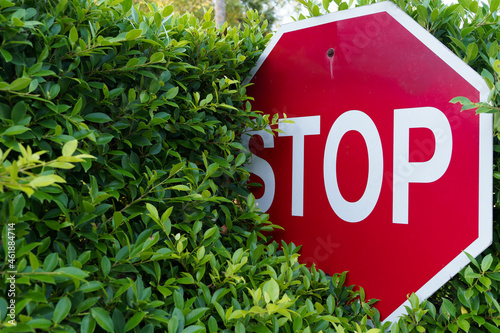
x=485, y=140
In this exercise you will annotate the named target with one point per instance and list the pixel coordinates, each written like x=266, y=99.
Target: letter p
x=406, y=172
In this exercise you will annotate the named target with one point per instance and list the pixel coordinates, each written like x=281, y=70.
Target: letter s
x=262, y=168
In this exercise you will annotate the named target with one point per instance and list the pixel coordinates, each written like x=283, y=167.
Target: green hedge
x=157, y=232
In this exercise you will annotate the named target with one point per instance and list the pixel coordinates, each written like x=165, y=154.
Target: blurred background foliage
x=271, y=10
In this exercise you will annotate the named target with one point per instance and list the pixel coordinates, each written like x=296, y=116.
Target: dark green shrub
x=158, y=232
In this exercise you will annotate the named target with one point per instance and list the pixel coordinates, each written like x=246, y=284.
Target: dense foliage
x=123, y=174
x=123, y=132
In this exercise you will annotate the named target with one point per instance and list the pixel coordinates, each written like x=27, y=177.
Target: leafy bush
x=158, y=232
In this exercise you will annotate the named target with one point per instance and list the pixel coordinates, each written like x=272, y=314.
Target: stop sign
x=379, y=174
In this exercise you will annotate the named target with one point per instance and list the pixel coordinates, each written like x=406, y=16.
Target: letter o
x=353, y=120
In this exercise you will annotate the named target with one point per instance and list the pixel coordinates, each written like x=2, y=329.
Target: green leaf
x=40, y=323
x=18, y=112
x=117, y=219
x=153, y=211
x=434, y=14
x=42, y=278
x=77, y=107
x=462, y=296
x=251, y=200
x=461, y=100
x=210, y=232
x=167, y=11
x=211, y=169
x=496, y=66
x=376, y=330
x=472, y=51
x=133, y=34
x=195, y=314
x=88, y=324
x=72, y=272
x=240, y=159
x=194, y=329
x=179, y=188
x=494, y=5
x=15, y=130
x=73, y=36
x=6, y=55
x=422, y=12
x=479, y=320
x=105, y=265
x=221, y=161
x=6, y=4
x=176, y=168
x=98, y=117
x=173, y=324
x=103, y=319
x=132, y=95
x=494, y=276
x=141, y=141
x=61, y=7
x=62, y=165
x=157, y=57
x=467, y=31
x=491, y=328
x=17, y=22
x=212, y=325
x=272, y=289
x=69, y=148
x=62, y=309
x=90, y=286
x=178, y=300
x=19, y=84
x=166, y=214
x=493, y=50
x=172, y=92
x=198, y=128
x=86, y=304
x=240, y=328
x=448, y=307
x=50, y=262
x=458, y=43
x=470, y=275
x=127, y=5
x=134, y=321
x=42, y=181
x=463, y=323
x=486, y=262
x=473, y=6
x=472, y=259
x=132, y=62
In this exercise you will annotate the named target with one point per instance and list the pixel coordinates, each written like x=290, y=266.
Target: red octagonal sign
x=379, y=174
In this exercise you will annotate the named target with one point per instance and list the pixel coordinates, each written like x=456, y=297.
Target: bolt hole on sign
x=379, y=174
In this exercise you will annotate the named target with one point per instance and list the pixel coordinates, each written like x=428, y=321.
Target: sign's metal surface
x=379, y=174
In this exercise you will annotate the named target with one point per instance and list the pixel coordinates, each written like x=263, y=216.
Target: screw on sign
x=379, y=174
